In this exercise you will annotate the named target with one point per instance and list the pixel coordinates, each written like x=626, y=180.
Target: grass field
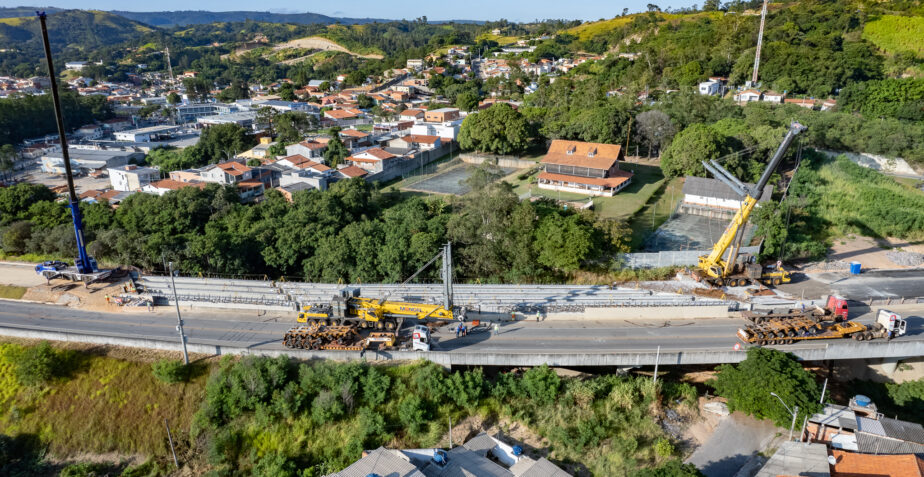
x=589, y=30
x=105, y=405
x=500, y=39
x=655, y=212
x=896, y=34
x=12, y=292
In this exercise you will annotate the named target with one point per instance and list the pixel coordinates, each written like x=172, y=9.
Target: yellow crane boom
x=715, y=268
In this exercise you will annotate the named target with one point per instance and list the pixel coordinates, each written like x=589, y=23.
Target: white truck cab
x=420, y=338
x=892, y=322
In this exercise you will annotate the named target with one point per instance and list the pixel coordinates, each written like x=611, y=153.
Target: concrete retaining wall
x=835, y=350
x=499, y=161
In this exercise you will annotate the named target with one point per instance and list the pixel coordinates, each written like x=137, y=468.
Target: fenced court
x=449, y=180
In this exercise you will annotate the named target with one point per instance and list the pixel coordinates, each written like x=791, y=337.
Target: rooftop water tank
x=862, y=400
x=517, y=450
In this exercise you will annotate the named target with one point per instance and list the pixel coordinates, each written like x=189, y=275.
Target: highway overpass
x=519, y=343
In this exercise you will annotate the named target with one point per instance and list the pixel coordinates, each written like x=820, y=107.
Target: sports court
x=450, y=181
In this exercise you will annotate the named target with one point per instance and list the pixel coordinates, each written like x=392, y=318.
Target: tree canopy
x=499, y=129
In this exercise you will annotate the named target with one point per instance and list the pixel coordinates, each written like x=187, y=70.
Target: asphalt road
x=528, y=336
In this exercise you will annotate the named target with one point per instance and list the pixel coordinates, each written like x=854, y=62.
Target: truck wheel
x=776, y=281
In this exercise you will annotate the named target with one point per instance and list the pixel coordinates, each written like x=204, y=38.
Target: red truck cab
x=837, y=306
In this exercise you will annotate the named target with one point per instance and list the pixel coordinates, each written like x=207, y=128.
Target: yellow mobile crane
x=349, y=308
x=719, y=271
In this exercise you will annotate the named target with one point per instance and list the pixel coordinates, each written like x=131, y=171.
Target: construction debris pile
x=907, y=259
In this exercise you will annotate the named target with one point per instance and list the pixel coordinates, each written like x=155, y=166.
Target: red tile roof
x=582, y=154
x=353, y=133
x=340, y=114
x=312, y=145
x=850, y=464
x=176, y=185
x=378, y=153
x=233, y=168
x=421, y=139
x=353, y=171
x=611, y=182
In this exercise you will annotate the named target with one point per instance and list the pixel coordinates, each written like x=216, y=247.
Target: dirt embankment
x=319, y=43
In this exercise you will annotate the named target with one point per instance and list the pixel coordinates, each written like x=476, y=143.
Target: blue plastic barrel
x=517, y=450
x=855, y=268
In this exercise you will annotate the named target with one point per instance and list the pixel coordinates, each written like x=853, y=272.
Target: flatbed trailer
x=793, y=330
x=835, y=309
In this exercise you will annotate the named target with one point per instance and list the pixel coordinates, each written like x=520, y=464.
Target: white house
x=701, y=192
x=310, y=149
x=416, y=141
x=747, y=96
x=130, y=177
x=230, y=172
x=711, y=88
x=773, y=97
x=416, y=64
x=448, y=131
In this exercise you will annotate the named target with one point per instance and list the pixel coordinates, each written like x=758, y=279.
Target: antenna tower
x=760, y=42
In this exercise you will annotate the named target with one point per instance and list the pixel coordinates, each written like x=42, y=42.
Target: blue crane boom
x=84, y=263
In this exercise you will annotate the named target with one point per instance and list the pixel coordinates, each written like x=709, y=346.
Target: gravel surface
x=908, y=259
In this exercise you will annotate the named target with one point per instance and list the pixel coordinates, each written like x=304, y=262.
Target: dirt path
x=19, y=274
x=319, y=43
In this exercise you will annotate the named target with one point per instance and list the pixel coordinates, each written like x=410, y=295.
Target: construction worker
x=107, y=299
x=496, y=329
x=537, y=316
x=458, y=330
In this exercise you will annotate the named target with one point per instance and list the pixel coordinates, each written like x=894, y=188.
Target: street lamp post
x=794, y=412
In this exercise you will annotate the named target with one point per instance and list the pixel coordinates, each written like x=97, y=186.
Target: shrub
x=170, y=371
x=664, y=448
x=326, y=407
x=541, y=384
x=465, y=388
x=673, y=468
x=412, y=413
x=85, y=469
x=375, y=386
x=35, y=365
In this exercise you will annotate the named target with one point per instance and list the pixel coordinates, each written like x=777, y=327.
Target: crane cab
x=892, y=323
x=420, y=338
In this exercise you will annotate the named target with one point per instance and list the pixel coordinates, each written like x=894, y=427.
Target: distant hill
x=75, y=29
x=11, y=12
x=197, y=17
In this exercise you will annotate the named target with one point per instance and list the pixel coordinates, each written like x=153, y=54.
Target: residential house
x=230, y=172
x=130, y=177
x=392, y=128
x=583, y=167
x=290, y=190
x=482, y=456
x=828, y=104
x=416, y=141
x=448, y=131
x=250, y=190
x=706, y=196
x=355, y=138
x=163, y=186
x=299, y=161
x=747, y=96
x=861, y=428
x=147, y=134
x=343, y=117
x=188, y=175
x=372, y=160
x=712, y=88
x=412, y=114
x=311, y=149
x=773, y=97
x=90, y=131
x=441, y=115
x=798, y=458
x=350, y=172
x=417, y=64
x=261, y=150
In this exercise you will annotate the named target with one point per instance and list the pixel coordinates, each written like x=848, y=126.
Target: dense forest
x=33, y=116
x=351, y=232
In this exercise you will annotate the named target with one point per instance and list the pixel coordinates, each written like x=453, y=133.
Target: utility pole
x=760, y=42
x=172, y=450
x=654, y=378
x=176, y=302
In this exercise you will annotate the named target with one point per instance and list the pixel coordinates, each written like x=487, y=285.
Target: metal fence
x=672, y=258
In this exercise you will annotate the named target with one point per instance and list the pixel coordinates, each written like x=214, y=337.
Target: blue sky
x=514, y=10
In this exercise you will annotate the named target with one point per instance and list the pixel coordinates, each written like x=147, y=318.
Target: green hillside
x=84, y=30
x=896, y=34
